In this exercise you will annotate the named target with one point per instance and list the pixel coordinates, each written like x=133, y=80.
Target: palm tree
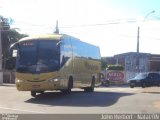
x=8, y=37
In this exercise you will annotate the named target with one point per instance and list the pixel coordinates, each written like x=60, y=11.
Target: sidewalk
x=8, y=85
x=155, y=90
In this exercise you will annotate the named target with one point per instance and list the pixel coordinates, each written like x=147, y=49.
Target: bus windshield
x=37, y=56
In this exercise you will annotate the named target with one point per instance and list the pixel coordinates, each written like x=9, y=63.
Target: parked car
x=145, y=80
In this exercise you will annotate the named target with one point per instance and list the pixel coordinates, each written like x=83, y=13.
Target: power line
x=117, y=21
x=109, y=22
x=100, y=24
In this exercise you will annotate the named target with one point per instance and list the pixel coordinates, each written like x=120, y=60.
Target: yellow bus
x=56, y=62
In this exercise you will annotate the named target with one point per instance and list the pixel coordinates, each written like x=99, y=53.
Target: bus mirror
x=58, y=43
x=13, y=50
x=14, y=53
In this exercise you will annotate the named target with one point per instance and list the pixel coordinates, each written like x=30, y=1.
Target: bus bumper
x=38, y=86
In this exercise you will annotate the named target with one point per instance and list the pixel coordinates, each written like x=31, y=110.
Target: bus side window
x=64, y=52
x=61, y=53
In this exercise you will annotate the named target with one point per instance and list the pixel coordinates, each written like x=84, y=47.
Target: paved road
x=103, y=100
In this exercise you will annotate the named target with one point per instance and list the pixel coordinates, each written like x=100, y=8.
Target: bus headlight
x=53, y=80
x=19, y=80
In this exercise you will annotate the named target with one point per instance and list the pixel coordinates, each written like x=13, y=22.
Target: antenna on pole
x=56, y=28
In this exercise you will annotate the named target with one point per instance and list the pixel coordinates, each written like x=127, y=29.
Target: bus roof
x=42, y=37
x=50, y=37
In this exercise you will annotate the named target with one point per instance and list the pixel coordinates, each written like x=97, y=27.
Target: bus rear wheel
x=91, y=88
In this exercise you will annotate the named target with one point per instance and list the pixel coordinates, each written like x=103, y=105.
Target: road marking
x=21, y=110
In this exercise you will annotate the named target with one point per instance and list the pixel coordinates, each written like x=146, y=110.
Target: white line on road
x=22, y=110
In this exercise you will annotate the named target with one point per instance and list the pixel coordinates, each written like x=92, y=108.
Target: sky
x=110, y=24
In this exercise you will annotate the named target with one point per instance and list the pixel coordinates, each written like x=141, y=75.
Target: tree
x=103, y=63
x=115, y=67
x=8, y=37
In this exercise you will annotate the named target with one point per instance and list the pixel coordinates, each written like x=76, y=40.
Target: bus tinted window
x=85, y=50
x=38, y=56
x=26, y=48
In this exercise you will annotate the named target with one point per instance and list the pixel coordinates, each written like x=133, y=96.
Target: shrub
x=115, y=67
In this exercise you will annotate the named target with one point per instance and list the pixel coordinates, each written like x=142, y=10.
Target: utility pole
x=138, y=30
x=138, y=37
x=1, y=72
x=57, y=28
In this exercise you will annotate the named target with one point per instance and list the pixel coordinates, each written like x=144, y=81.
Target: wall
x=9, y=77
x=119, y=77
x=115, y=76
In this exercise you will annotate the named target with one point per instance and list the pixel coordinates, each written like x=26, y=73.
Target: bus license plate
x=35, y=86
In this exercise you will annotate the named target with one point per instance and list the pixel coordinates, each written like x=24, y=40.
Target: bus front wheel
x=33, y=93
x=69, y=87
